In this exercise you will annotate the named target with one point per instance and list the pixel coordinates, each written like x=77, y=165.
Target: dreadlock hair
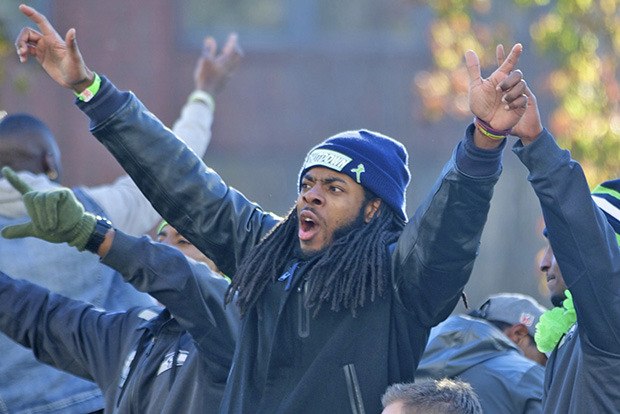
x=354, y=266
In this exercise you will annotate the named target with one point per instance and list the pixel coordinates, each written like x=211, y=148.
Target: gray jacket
x=583, y=372
x=27, y=386
x=145, y=360
x=61, y=269
x=333, y=362
x=477, y=352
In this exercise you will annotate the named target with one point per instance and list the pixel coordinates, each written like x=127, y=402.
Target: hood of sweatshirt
x=459, y=343
x=11, y=204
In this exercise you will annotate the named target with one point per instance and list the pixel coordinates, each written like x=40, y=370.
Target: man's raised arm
x=218, y=220
x=441, y=241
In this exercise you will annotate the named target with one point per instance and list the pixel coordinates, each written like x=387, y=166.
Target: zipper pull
x=303, y=312
x=288, y=276
x=149, y=347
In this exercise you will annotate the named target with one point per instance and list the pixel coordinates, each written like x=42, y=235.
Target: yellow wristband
x=88, y=93
x=201, y=96
x=486, y=133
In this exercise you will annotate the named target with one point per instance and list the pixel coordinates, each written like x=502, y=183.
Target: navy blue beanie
x=377, y=162
x=607, y=198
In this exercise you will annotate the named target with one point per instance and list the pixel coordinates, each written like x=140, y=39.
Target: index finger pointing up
x=513, y=58
x=38, y=18
x=15, y=181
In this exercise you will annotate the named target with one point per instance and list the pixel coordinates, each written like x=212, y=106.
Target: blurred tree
x=579, y=39
x=4, y=50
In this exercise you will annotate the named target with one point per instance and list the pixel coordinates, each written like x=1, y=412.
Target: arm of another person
x=123, y=202
x=68, y=334
x=582, y=240
x=190, y=290
x=435, y=253
x=215, y=218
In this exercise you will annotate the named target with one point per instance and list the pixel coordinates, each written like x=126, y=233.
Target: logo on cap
x=526, y=319
x=358, y=172
x=328, y=158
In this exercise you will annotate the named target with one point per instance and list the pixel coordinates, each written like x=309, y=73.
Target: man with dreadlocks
x=337, y=298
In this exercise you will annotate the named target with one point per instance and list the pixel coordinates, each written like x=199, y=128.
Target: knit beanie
x=607, y=198
x=377, y=162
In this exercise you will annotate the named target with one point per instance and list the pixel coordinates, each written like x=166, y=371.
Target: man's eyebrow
x=309, y=177
x=328, y=180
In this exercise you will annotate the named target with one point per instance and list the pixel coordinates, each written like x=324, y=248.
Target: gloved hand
x=56, y=215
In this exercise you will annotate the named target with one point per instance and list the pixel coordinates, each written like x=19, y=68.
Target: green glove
x=57, y=216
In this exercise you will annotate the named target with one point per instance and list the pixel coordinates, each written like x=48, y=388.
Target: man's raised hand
x=500, y=99
x=61, y=59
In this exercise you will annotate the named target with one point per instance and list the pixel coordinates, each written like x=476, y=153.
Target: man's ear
x=516, y=332
x=371, y=209
x=50, y=167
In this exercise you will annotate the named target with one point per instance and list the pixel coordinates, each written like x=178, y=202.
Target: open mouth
x=550, y=278
x=308, y=226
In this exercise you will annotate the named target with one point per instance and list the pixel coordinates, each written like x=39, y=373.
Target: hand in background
x=213, y=70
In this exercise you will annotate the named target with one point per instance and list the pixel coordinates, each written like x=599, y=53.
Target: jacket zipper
x=134, y=365
x=140, y=362
x=353, y=386
x=303, y=313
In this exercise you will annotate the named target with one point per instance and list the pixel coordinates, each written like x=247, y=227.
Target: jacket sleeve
x=194, y=126
x=190, y=291
x=217, y=219
x=435, y=253
x=67, y=334
x=583, y=242
x=123, y=202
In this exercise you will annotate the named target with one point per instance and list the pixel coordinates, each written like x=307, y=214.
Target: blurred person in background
x=29, y=147
x=167, y=234
x=493, y=350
